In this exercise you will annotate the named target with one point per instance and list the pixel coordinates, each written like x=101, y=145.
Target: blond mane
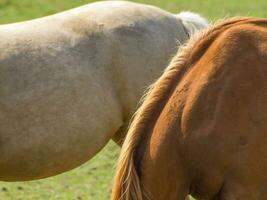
x=126, y=183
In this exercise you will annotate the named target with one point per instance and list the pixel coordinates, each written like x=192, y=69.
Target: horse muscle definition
x=202, y=128
x=69, y=82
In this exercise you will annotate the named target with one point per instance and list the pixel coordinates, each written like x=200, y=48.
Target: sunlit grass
x=15, y=10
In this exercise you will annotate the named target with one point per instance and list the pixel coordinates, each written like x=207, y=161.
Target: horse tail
x=192, y=22
x=127, y=184
x=127, y=178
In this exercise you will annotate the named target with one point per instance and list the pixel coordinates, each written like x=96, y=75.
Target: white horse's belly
x=53, y=133
x=53, y=118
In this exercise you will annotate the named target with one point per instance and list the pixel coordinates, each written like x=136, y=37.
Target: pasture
x=92, y=181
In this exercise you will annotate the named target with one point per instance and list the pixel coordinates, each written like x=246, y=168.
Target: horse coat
x=69, y=81
x=202, y=128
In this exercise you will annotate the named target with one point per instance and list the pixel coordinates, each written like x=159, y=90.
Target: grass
x=92, y=181
x=15, y=10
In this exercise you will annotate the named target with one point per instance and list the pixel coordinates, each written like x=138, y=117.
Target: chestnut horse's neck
x=127, y=184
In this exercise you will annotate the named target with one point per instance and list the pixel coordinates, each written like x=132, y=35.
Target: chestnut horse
x=71, y=81
x=202, y=128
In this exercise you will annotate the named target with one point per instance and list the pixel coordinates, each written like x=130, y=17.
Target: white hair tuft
x=192, y=22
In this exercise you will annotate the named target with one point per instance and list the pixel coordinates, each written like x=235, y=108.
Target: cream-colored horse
x=70, y=81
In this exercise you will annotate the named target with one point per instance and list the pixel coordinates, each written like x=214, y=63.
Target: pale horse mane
x=126, y=183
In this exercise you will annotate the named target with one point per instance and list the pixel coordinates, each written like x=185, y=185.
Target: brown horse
x=202, y=128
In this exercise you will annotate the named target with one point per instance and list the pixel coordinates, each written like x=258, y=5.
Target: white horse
x=70, y=81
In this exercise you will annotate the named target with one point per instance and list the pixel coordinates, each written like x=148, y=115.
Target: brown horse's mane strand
x=126, y=183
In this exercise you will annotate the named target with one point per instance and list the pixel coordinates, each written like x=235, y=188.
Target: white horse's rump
x=69, y=81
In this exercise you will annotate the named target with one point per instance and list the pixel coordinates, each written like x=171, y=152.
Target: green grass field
x=15, y=10
x=93, y=180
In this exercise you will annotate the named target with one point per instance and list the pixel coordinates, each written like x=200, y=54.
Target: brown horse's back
x=210, y=137
x=218, y=115
x=225, y=114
